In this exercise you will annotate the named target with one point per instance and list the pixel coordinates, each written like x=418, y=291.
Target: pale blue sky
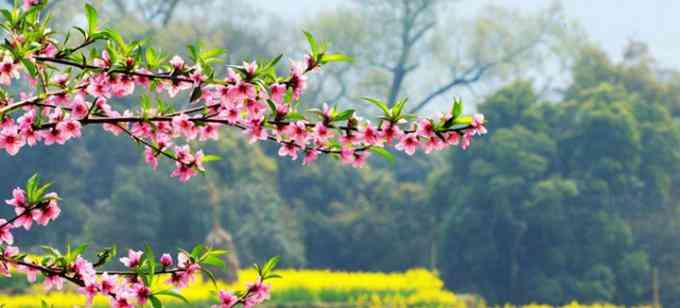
x=611, y=23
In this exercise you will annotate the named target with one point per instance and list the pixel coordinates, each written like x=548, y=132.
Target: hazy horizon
x=610, y=23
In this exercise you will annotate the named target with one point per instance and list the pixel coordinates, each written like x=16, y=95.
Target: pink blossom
x=25, y=217
x=142, y=293
x=142, y=129
x=150, y=158
x=297, y=79
x=431, y=144
x=104, y=61
x=391, y=132
x=288, y=149
x=4, y=270
x=277, y=91
x=10, y=251
x=59, y=99
x=453, y=138
x=349, y=139
x=49, y=50
x=177, y=62
x=6, y=122
x=198, y=161
x=322, y=133
x=310, y=156
x=175, y=86
x=85, y=269
x=298, y=132
x=70, y=128
x=477, y=124
x=408, y=143
x=8, y=70
x=183, y=154
x=250, y=68
x=79, y=107
x=255, y=132
x=30, y=136
x=347, y=155
x=53, y=282
x=242, y=90
x=18, y=198
x=29, y=3
x=54, y=135
x=259, y=292
x=425, y=128
x=11, y=141
x=208, y=131
x=359, y=159
x=198, y=78
x=30, y=272
x=467, y=139
x=26, y=120
x=48, y=213
x=370, y=135
x=183, y=125
x=178, y=280
x=123, y=85
x=143, y=80
x=90, y=291
x=59, y=79
x=114, y=128
x=183, y=172
x=254, y=107
x=121, y=302
x=133, y=258
x=5, y=232
x=166, y=260
x=230, y=114
x=107, y=284
x=227, y=300
x=99, y=86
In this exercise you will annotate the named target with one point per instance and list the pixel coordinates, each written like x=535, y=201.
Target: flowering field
x=312, y=288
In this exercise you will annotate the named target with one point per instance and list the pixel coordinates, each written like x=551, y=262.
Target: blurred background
x=572, y=195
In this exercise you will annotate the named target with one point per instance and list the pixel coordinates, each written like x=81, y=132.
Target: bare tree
x=401, y=34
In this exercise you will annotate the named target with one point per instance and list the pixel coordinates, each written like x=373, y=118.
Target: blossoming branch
x=76, y=84
x=141, y=283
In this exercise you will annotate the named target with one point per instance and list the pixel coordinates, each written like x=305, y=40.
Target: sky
x=610, y=23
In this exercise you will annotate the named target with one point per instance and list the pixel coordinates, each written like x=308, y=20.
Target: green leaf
x=214, y=261
x=196, y=94
x=209, y=158
x=457, y=108
x=44, y=304
x=398, y=107
x=270, y=264
x=211, y=276
x=91, y=15
x=271, y=105
x=312, y=43
x=172, y=293
x=155, y=302
x=294, y=116
x=150, y=260
x=466, y=120
x=79, y=250
x=380, y=104
x=335, y=57
x=197, y=251
x=384, y=153
x=345, y=115
x=212, y=53
x=30, y=67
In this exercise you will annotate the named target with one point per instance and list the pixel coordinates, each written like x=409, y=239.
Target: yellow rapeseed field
x=311, y=288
